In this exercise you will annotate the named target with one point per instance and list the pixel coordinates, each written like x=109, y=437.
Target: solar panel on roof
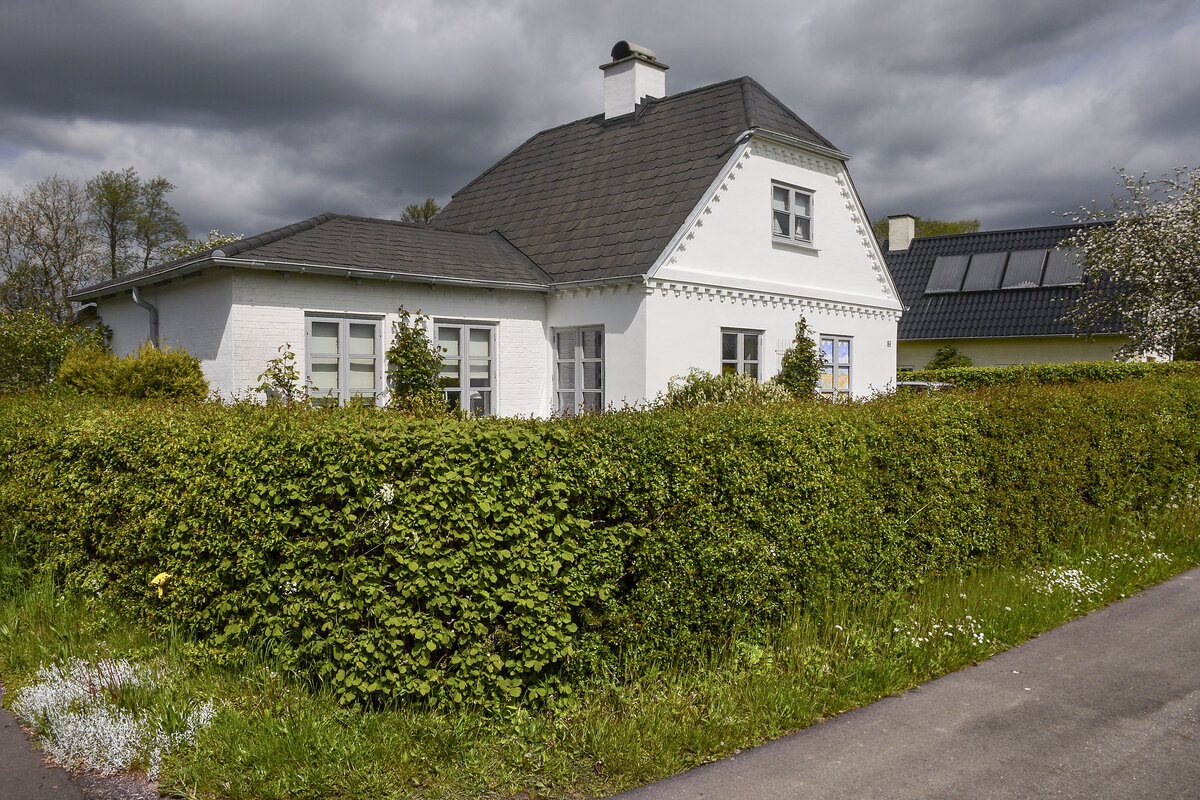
x=984, y=272
x=1024, y=269
x=1062, y=268
x=947, y=275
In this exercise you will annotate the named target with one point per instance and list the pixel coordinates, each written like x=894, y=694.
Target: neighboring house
x=585, y=269
x=998, y=297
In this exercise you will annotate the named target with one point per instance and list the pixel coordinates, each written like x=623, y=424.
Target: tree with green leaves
x=33, y=346
x=157, y=226
x=1141, y=271
x=800, y=367
x=133, y=219
x=422, y=213
x=113, y=206
x=928, y=227
x=948, y=356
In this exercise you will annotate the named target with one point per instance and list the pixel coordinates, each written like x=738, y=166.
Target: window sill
x=792, y=244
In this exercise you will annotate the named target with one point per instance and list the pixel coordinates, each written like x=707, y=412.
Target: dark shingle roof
x=597, y=199
x=999, y=312
x=365, y=247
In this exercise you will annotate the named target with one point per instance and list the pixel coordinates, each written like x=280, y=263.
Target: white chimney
x=633, y=74
x=902, y=229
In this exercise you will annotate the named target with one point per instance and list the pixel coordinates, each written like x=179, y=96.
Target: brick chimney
x=633, y=74
x=902, y=229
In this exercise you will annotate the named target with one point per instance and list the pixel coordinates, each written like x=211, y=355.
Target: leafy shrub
x=90, y=370
x=280, y=381
x=150, y=372
x=491, y=561
x=414, y=363
x=33, y=345
x=948, y=356
x=1080, y=371
x=800, y=367
x=702, y=388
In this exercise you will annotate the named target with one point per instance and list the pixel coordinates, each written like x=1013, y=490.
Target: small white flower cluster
x=919, y=635
x=72, y=708
x=1062, y=579
x=1126, y=559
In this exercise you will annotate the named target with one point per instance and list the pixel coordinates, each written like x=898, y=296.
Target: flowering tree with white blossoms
x=1142, y=271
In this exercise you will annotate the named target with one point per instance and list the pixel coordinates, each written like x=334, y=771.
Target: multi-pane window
x=343, y=360
x=467, y=373
x=791, y=213
x=579, y=369
x=835, y=372
x=740, y=351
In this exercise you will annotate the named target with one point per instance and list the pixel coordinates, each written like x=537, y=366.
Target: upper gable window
x=791, y=213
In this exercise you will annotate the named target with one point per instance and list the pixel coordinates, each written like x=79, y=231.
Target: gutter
x=137, y=298
x=305, y=268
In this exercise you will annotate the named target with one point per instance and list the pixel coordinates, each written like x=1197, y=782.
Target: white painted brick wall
x=193, y=314
x=269, y=310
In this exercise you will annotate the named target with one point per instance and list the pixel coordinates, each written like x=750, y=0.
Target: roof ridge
x=259, y=239
x=1036, y=229
x=748, y=81
x=647, y=102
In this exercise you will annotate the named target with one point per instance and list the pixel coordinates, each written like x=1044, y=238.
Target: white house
x=585, y=269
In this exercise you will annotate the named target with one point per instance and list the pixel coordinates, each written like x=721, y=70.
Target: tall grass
x=274, y=736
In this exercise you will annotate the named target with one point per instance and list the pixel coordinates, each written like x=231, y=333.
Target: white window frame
x=834, y=366
x=343, y=395
x=792, y=233
x=488, y=393
x=578, y=402
x=740, y=363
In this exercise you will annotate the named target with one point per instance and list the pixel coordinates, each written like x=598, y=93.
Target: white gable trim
x=778, y=148
x=727, y=174
x=832, y=305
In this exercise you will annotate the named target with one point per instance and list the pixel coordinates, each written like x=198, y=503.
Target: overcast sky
x=265, y=112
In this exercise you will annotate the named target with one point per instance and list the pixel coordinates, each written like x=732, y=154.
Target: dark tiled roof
x=999, y=312
x=597, y=199
x=364, y=246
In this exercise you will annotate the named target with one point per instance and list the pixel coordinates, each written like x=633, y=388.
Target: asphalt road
x=1107, y=706
x=23, y=775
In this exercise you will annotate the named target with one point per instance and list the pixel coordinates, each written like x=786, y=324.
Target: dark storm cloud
x=268, y=112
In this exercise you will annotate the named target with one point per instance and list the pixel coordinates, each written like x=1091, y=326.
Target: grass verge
x=275, y=736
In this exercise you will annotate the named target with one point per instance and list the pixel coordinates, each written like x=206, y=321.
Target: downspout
x=137, y=299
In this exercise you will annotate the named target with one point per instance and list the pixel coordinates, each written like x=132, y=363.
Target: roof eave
x=793, y=141
x=108, y=289
x=429, y=279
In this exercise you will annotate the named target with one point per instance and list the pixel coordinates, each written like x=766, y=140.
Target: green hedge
x=496, y=560
x=1078, y=372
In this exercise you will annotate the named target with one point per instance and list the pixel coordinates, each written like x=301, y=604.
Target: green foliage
x=413, y=366
x=1077, y=372
x=150, y=372
x=702, y=388
x=422, y=213
x=929, y=227
x=800, y=367
x=133, y=218
x=280, y=381
x=492, y=561
x=948, y=356
x=32, y=345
